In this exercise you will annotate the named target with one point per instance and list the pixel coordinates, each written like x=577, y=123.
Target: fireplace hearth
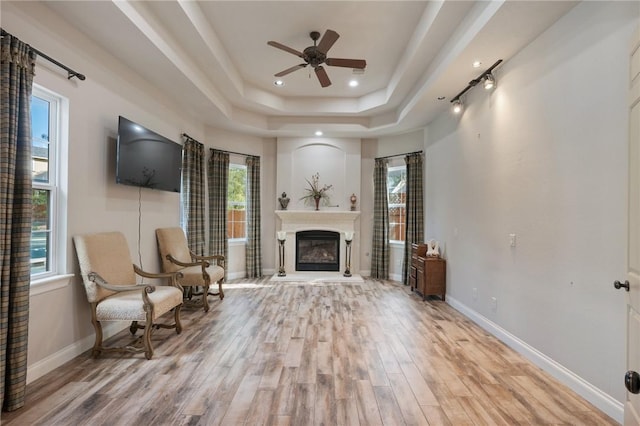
x=317, y=250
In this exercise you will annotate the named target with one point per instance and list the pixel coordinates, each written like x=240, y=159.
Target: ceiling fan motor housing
x=313, y=57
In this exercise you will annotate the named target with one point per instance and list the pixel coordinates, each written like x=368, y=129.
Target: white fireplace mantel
x=293, y=221
x=312, y=217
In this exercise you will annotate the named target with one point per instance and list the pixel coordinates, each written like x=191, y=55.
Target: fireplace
x=317, y=250
x=295, y=221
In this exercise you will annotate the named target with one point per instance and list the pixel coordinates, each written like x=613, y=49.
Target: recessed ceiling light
x=279, y=83
x=318, y=133
x=353, y=83
x=476, y=64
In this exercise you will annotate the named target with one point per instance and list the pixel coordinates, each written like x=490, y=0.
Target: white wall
x=544, y=157
x=335, y=160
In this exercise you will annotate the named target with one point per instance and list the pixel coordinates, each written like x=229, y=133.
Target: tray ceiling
x=212, y=57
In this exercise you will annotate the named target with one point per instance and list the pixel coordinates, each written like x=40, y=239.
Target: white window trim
x=239, y=241
x=390, y=205
x=56, y=277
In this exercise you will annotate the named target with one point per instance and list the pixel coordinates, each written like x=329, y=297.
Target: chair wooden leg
x=205, y=299
x=176, y=315
x=97, y=346
x=148, y=327
x=220, y=290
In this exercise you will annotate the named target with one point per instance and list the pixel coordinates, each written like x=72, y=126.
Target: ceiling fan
x=316, y=55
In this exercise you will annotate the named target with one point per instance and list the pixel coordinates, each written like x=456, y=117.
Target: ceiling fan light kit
x=316, y=56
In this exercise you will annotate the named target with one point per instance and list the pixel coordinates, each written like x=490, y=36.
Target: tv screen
x=146, y=159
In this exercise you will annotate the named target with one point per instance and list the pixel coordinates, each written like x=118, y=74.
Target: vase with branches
x=315, y=192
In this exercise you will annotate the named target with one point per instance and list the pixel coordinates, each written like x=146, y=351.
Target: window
x=237, y=202
x=46, y=112
x=397, y=187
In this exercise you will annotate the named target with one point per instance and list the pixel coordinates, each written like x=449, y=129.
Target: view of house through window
x=44, y=125
x=396, y=187
x=237, y=202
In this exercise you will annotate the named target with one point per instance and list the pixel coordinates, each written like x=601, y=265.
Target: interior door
x=632, y=285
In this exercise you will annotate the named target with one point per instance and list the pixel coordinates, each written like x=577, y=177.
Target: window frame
x=56, y=184
x=238, y=166
x=392, y=205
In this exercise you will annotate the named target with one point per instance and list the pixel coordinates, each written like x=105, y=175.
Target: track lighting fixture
x=489, y=82
x=456, y=106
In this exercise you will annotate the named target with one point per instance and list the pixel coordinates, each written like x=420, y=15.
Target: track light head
x=489, y=81
x=456, y=106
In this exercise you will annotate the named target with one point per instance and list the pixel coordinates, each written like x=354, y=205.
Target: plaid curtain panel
x=414, y=232
x=380, y=246
x=17, y=69
x=193, y=195
x=253, y=252
x=218, y=180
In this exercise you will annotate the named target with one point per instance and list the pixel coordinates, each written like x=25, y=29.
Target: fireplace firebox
x=317, y=250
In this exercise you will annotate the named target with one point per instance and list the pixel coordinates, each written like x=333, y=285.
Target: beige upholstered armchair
x=110, y=282
x=197, y=271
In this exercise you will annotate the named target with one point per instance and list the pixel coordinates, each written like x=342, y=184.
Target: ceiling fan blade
x=323, y=78
x=327, y=41
x=290, y=70
x=285, y=48
x=347, y=63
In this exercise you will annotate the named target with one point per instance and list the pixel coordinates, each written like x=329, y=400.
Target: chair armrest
x=174, y=277
x=146, y=274
x=179, y=263
x=96, y=278
x=217, y=257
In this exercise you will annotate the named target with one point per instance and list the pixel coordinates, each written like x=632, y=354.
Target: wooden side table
x=431, y=276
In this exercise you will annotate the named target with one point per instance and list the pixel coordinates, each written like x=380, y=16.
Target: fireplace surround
x=294, y=221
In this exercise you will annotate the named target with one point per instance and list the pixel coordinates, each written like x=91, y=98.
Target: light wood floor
x=300, y=354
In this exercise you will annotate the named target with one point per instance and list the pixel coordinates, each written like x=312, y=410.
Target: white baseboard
x=243, y=274
x=395, y=277
x=602, y=400
x=64, y=355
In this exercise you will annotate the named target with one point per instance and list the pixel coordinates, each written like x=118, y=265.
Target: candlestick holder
x=282, y=237
x=348, y=238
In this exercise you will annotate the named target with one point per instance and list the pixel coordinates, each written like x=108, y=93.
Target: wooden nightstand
x=431, y=276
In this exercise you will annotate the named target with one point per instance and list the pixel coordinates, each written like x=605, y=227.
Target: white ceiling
x=212, y=57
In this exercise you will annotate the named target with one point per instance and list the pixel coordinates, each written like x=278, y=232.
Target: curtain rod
x=189, y=137
x=233, y=152
x=222, y=150
x=399, y=155
x=70, y=73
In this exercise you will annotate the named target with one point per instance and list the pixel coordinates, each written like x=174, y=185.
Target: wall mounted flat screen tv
x=146, y=159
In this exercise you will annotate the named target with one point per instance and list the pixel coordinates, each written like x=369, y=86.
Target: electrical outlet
x=494, y=304
x=475, y=293
x=512, y=240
